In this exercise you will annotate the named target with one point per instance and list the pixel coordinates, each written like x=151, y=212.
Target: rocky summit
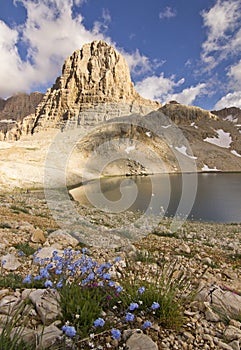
x=95, y=86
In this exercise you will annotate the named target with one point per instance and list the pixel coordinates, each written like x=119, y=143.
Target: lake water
x=212, y=197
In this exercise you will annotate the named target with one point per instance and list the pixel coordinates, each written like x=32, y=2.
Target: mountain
x=95, y=103
x=95, y=86
x=14, y=110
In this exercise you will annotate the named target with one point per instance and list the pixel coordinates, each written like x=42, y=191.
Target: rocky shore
x=209, y=256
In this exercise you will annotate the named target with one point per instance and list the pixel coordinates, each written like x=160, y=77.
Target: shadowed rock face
x=19, y=106
x=95, y=86
x=14, y=110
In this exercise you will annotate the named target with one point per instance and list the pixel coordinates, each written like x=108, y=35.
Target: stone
x=47, y=252
x=234, y=345
x=184, y=248
x=38, y=236
x=23, y=333
x=46, y=302
x=9, y=304
x=210, y=315
x=140, y=341
x=64, y=239
x=48, y=336
x=224, y=301
x=10, y=262
x=232, y=333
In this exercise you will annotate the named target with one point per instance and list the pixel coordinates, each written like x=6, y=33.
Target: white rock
x=10, y=262
x=63, y=238
x=232, y=333
x=47, y=252
x=46, y=302
x=48, y=337
x=235, y=345
x=225, y=301
x=140, y=341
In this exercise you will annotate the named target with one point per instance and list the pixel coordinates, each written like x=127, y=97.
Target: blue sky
x=187, y=50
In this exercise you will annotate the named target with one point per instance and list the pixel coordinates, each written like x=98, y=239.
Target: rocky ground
x=208, y=254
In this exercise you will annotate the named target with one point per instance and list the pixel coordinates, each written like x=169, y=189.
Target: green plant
x=4, y=225
x=165, y=234
x=19, y=209
x=11, y=280
x=11, y=335
x=25, y=248
x=81, y=305
x=167, y=287
x=144, y=256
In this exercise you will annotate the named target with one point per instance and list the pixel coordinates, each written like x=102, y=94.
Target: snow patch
x=206, y=168
x=166, y=126
x=224, y=139
x=129, y=149
x=8, y=121
x=235, y=153
x=194, y=125
x=183, y=150
x=148, y=133
x=231, y=118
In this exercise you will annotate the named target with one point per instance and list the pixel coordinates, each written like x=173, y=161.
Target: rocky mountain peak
x=95, y=85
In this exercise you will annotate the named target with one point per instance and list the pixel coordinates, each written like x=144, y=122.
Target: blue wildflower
x=117, y=259
x=27, y=279
x=70, y=331
x=141, y=290
x=99, y=322
x=48, y=283
x=146, y=325
x=58, y=271
x=155, y=306
x=119, y=289
x=129, y=317
x=116, y=334
x=107, y=276
x=21, y=253
x=37, y=278
x=59, y=284
x=133, y=306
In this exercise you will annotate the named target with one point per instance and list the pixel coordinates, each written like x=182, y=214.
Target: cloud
x=223, y=32
x=168, y=12
x=162, y=89
x=157, y=87
x=188, y=95
x=50, y=33
x=234, y=75
x=232, y=99
x=139, y=64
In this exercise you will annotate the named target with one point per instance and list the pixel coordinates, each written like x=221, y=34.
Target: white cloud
x=50, y=34
x=138, y=63
x=188, y=95
x=223, y=38
x=234, y=74
x=157, y=88
x=162, y=89
x=168, y=12
x=232, y=99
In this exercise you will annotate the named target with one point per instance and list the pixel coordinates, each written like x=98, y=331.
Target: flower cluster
x=79, y=268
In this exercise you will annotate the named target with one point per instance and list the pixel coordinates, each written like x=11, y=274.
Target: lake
x=211, y=197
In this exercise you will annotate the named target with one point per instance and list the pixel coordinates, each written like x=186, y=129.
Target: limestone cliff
x=95, y=86
x=13, y=112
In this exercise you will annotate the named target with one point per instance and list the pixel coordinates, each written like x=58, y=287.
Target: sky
x=183, y=50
